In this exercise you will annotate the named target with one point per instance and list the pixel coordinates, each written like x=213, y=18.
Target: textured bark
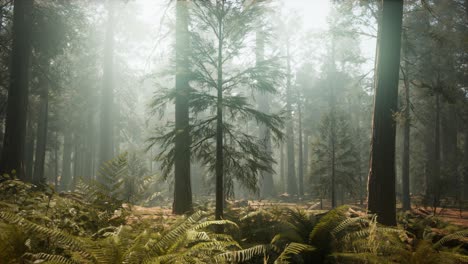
x=291, y=168
x=219, y=125
x=449, y=138
x=29, y=150
x=42, y=121
x=282, y=174
x=301, y=151
x=436, y=165
x=405, y=177
x=465, y=167
x=66, y=161
x=182, y=183
x=306, y=154
x=266, y=178
x=106, y=151
x=332, y=105
x=12, y=157
x=381, y=185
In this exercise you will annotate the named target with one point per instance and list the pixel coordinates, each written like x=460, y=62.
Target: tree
x=267, y=188
x=381, y=185
x=182, y=185
x=106, y=149
x=406, y=199
x=219, y=98
x=334, y=166
x=290, y=151
x=17, y=105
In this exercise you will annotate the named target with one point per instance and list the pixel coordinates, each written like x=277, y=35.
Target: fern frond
x=293, y=249
x=48, y=258
x=175, y=234
x=55, y=235
x=347, y=223
x=244, y=254
x=206, y=224
x=455, y=236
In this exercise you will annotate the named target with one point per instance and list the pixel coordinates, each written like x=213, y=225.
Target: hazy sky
x=314, y=12
x=313, y=15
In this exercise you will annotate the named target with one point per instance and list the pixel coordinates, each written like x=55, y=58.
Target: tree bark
x=219, y=122
x=12, y=157
x=29, y=150
x=301, y=151
x=306, y=154
x=266, y=178
x=42, y=121
x=291, y=168
x=182, y=184
x=66, y=161
x=405, y=177
x=436, y=188
x=465, y=167
x=381, y=185
x=282, y=174
x=106, y=151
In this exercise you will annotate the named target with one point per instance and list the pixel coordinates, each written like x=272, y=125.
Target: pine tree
x=381, y=190
x=12, y=158
x=344, y=156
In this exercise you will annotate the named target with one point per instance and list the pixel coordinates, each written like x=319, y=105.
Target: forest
x=233, y=131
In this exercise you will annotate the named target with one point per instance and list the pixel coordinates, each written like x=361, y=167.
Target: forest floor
x=451, y=215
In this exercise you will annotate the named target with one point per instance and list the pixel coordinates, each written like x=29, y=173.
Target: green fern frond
x=287, y=235
x=48, y=258
x=292, y=249
x=176, y=233
x=348, y=223
x=244, y=254
x=455, y=236
x=55, y=235
x=193, y=235
x=206, y=224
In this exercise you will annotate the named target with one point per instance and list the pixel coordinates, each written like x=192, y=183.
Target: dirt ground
x=450, y=215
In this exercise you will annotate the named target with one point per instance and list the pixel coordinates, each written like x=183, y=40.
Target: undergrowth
x=89, y=225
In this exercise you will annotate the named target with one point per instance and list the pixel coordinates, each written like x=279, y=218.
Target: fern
x=244, y=254
x=455, y=236
x=55, y=235
x=292, y=249
x=48, y=258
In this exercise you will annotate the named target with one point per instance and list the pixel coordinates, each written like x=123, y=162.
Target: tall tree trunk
x=29, y=150
x=219, y=122
x=332, y=104
x=182, y=183
x=282, y=167
x=465, y=161
x=436, y=188
x=56, y=162
x=106, y=151
x=381, y=185
x=266, y=178
x=406, y=136
x=291, y=168
x=66, y=161
x=306, y=154
x=301, y=151
x=449, y=139
x=12, y=157
x=42, y=121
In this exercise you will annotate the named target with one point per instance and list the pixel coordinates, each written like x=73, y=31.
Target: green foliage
x=245, y=156
x=334, y=128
